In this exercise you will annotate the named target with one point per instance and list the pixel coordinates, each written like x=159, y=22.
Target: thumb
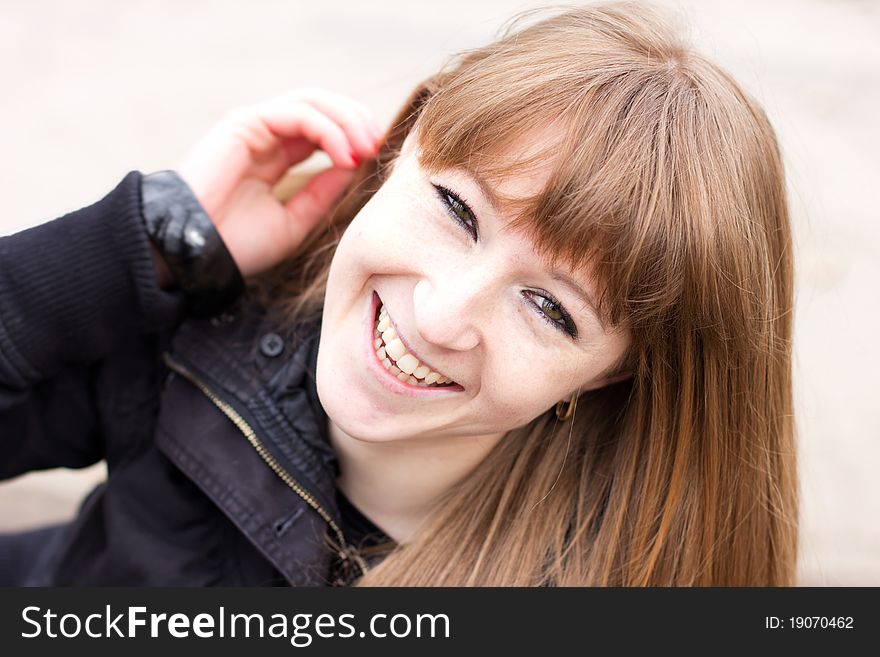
x=315, y=199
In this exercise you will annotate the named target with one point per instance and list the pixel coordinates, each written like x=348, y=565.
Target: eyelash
x=452, y=202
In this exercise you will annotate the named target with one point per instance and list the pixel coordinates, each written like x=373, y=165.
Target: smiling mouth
x=397, y=359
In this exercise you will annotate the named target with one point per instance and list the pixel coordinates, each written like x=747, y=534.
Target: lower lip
x=386, y=378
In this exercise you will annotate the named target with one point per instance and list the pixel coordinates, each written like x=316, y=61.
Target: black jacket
x=219, y=469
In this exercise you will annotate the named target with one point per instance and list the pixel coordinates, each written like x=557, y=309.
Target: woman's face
x=464, y=299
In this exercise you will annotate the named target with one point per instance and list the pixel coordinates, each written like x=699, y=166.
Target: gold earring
x=564, y=409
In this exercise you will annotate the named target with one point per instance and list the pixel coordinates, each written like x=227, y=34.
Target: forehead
x=520, y=172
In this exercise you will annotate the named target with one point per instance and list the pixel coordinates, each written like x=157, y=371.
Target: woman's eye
x=549, y=309
x=458, y=210
x=552, y=312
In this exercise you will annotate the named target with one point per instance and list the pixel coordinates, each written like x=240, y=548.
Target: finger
x=301, y=120
x=297, y=150
x=376, y=128
x=356, y=130
x=352, y=116
x=349, y=117
x=315, y=200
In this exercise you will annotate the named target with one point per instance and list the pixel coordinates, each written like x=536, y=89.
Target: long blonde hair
x=668, y=183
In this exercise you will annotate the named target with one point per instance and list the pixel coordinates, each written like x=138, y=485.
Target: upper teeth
x=394, y=356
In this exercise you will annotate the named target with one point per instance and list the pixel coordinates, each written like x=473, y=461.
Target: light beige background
x=93, y=89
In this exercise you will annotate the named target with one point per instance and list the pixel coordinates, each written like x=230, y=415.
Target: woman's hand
x=233, y=170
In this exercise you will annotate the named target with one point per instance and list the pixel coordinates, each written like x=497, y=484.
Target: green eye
x=552, y=310
x=458, y=210
x=461, y=213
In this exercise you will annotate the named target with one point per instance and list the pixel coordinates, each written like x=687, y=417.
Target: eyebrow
x=585, y=296
x=485, y=189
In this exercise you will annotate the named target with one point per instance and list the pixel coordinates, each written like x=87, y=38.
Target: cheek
x=520, y=390
x=512, y=408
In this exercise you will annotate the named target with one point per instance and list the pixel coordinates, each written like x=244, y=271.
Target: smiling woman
x=535, y=334
x=612, y=294
x=471, y=301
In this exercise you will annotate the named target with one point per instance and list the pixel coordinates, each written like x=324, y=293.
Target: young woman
x=537, y=334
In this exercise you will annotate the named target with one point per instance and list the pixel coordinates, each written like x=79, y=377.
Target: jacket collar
x=264, y=369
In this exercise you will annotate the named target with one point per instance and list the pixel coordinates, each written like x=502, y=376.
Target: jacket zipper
x=251, y=436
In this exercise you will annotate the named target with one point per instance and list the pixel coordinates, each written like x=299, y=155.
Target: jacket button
x=271, y=345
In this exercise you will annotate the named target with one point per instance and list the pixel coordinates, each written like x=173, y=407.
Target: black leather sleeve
x=192, y=248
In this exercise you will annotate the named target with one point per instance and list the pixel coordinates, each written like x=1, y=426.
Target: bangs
x=605, y=209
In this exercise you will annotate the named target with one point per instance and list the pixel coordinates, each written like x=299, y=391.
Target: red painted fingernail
x=354, y=158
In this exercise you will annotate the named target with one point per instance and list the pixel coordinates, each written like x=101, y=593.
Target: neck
x=396, y=484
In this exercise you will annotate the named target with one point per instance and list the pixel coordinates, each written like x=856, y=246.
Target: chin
x=360, y=430
x=349, y=412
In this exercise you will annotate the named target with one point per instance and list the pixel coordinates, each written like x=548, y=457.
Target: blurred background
x=94, y=89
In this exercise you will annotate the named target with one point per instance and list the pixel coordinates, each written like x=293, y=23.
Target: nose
x=450, y=310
